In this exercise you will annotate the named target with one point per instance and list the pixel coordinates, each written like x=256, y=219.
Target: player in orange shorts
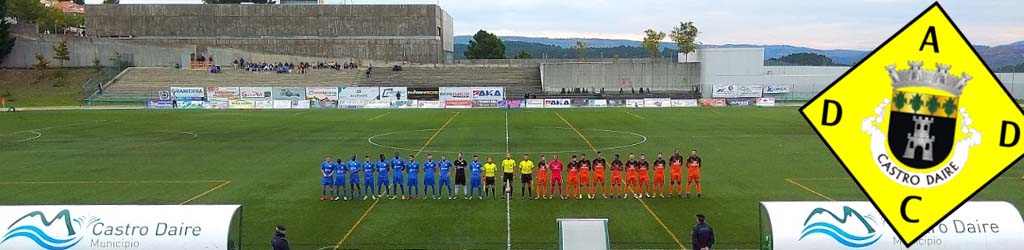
x=574, y=180
x=693, y=172
x=659, y=176
x=631, y=182
x=599, y=166
x=643, y=165
x=676, y=181
x=584, y=165
x=617, y=177
x=542, y=178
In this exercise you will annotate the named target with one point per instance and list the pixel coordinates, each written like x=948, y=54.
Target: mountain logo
x=858, y=233
x=48, y=233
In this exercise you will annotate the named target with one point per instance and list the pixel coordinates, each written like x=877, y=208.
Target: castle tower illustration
x=920, y=138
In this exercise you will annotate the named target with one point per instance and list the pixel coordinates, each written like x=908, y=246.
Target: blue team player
x=475, y=168
x=368, y=178
x=353, y=179
x=445, y=165
x=339, y=179
x=429, y=170
x=327, y=181
x=412, y=180
x=383, y=187
x=397, y=171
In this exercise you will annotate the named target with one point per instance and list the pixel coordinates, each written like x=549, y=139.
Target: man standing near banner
x=526, y=169
x=383, y=185
x=429, y=170
x=413, y=168
x=599, y=172
x=339, y=179
x=327, y=181
x=353, y=179
x=508, y=168
x=556, y=177
x=445, y=166
x=460, y=177
x=368, y=178
x=398, y=171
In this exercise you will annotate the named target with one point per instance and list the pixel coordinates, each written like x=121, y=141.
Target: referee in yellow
x=508, y=166
x=526, y=169
x=489, y=169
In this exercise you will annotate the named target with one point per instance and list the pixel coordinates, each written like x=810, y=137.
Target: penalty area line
x=791, y=181
x=222, y=184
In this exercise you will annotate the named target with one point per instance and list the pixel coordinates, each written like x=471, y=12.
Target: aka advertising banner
x=241, y=104
x=735, y=91
x=322, y=97
x=217, y=103
x=458, y=104
x=116, y=227
x=684, y=103
x=741, y=101
x=511, y=104
x=159, y=104
x=471, y=93
x=635, y=103
x=282, y=104
x=222, y=92
x=425, y=94
x=766, y=102
x=352, y=104
x=597, y=103
x=557, y=103
x=255, y=92
x=188, y=103
x=776, y=89
x=403, y=104
x=534, y=103
x=188, y=92
x=713, y=102
x=485, y=104
x=291, y=93
x=429, y=104
x=455, y=93
x=858, y=225
x=263, y=104
x=657, y=102
x=394, y=93
x=358, y=93
x=488, y=93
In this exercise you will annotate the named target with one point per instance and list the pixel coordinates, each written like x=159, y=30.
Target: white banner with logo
x=557, y=103
x=358, y=93
x=766, y=102
x=657, y=102
x=377, y=104
x=857, y=225
x=188, y=92
x=455, y=93
x=222, y=92
x=597, y=103
x=635, y=103
x=116, y=227
x=255, y=92
x=734, y=91
x=351, y=104
x=488, y=93
x=776, y=89
x=394, y=93
x=685, y=103
x=534, y=103
x=429, y=104
x=264, y=104
x=282, y=104
x=300, y=104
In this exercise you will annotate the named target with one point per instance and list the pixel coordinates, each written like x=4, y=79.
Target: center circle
x=640, y=139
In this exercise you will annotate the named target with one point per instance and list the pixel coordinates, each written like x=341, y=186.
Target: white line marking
x=508, y=220
x=643, y=139
x=635, y=115
x=506, y=133
x=379, y=116
x=33, y=138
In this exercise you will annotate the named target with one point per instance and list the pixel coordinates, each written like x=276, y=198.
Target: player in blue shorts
x=383, y=187
x=339, y=179
x=429, y=170
x=398, y=172
x=444, y=166
x=475, y=168
x=353, y=178
x=327, y=181
x=368, y=178
x=412, y=180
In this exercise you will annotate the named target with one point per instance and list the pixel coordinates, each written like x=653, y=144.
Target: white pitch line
x=506, y=133
x=38, y=134
x=508, y=200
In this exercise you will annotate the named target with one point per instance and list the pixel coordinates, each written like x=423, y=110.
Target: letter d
x=1016, y=134
x=824, y=113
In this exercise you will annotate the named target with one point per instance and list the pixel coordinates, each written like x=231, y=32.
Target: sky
x=824, y=24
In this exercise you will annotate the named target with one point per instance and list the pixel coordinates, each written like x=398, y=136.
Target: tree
x=61, y=52
x=485, y=46
x=41, y=62
x=933, y=105
x=685, y=36
x=899, y=100
x=949, y=106
x=581, y=50
x=6, y=40
x=802, y=59
x=652, y=42
x=24, y=10
x=524, y=55
x=111, y=1
x=916, y=102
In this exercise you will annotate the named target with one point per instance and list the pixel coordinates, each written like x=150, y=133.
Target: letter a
x=935, y=40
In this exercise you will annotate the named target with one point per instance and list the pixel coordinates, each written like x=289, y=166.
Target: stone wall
x=612, y=76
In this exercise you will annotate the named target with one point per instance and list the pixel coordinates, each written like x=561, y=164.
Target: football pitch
x=268, y=161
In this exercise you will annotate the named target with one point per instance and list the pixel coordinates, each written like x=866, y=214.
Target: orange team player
x=617, y=177
x=584, y=165
x=643, y=165
x=659, y=176
x=631, y=182
x=599, y=166
x=676, y=183
x=574, y=180
x=693, y=172
x=542, y=178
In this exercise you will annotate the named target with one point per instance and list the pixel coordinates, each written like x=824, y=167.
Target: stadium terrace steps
x=141, y=83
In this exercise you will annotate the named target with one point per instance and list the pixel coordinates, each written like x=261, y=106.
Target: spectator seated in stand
x=396, y=68
x=215, y=69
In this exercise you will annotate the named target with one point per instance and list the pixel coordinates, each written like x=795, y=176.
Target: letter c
x=903, y=208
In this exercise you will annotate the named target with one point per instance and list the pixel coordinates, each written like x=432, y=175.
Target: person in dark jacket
x=279, y=242
x=703, y=235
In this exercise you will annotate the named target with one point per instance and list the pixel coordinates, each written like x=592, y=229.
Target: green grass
x=29, y=87
x=272, y=160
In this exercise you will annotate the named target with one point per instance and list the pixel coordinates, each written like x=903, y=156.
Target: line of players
x=402, y=176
